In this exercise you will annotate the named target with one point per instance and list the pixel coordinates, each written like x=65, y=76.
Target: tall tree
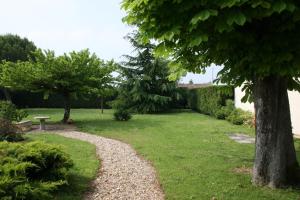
x=69, y=75
x=146, y=87
x=13, y=48
x=257, y=41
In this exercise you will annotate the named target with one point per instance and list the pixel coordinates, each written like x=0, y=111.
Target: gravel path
x=123, y=174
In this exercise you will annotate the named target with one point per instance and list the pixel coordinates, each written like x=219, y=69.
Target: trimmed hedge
x=209, y=100
x=36, y=100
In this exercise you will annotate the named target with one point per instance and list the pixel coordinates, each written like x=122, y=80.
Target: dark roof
x=193, y=86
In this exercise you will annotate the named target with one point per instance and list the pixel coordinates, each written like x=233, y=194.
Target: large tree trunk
x=275, y=162
x=67, y=107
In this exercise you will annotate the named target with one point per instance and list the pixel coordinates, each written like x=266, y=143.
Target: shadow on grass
x=78, y=186
x=113, y=125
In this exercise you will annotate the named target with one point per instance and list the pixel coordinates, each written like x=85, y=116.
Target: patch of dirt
x=242, y=170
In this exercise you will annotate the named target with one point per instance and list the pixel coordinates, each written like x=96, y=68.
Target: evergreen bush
x=122, y=115
x=31, y=170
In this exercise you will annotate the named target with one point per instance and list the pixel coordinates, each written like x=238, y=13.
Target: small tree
x=70, y=75
x=103, y=82
x=13, y=48
x=257, y=42
x=146, y=87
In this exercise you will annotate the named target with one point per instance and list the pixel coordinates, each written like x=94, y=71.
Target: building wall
x=294, y=98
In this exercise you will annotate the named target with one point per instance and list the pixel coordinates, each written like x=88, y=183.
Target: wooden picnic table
x=42, y=121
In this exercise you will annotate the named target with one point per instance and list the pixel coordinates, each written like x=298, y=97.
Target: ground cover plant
x=192, y=153
x=85, y=164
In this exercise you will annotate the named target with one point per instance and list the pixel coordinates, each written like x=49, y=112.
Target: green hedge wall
x=208, y=100
x=36, y=100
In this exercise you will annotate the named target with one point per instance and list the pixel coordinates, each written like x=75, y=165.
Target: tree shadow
x=113, y=125
x=76, y=188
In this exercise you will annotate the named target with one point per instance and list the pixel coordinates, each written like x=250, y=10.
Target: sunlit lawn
x=191, y=152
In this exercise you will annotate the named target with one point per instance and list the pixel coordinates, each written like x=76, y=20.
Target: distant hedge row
x=209, y=100
x=36, y=100
x=206, y=100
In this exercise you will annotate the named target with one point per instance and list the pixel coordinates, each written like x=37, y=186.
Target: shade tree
x=257, y=42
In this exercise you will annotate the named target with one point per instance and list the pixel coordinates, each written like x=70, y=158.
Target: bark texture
x=275, y=162
x=67, y=107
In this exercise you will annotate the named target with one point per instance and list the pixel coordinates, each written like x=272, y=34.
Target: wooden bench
x=24, y=125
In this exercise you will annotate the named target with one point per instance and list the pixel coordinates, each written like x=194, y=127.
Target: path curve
x=123, y=174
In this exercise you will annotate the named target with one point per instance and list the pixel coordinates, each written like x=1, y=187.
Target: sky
x=67, y=25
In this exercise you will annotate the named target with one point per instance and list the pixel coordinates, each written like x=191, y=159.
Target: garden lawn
x=85, y=166
x=191, y=152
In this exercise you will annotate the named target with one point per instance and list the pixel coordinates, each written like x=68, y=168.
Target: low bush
x=225, y=111
x=31, y=170
x=8, y=114
x=122, y=115
x=9, y=111
x=239, y=117
x=234, y=115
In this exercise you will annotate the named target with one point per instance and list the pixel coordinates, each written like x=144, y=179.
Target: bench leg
x=42, y=125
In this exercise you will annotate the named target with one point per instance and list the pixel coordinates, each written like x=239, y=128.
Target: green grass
x=191, y=152
x=85, y=166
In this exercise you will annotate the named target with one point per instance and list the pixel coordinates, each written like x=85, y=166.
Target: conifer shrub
x=32, y=170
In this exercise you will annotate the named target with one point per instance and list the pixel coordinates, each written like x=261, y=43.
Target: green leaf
x=203, y=15
x=279, y=6
x=162, y=51
x=291, y=7
x=238, y=18
x=229, y=3
x=263, y=4
x=198, y=40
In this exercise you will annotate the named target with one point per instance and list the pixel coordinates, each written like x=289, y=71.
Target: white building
x=294, y=98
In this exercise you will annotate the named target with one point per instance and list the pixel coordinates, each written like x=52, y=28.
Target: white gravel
x=123, y=174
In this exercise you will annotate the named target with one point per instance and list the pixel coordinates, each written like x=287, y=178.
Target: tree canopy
x=248, y=37
x=70, y=75
x=14, y=48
